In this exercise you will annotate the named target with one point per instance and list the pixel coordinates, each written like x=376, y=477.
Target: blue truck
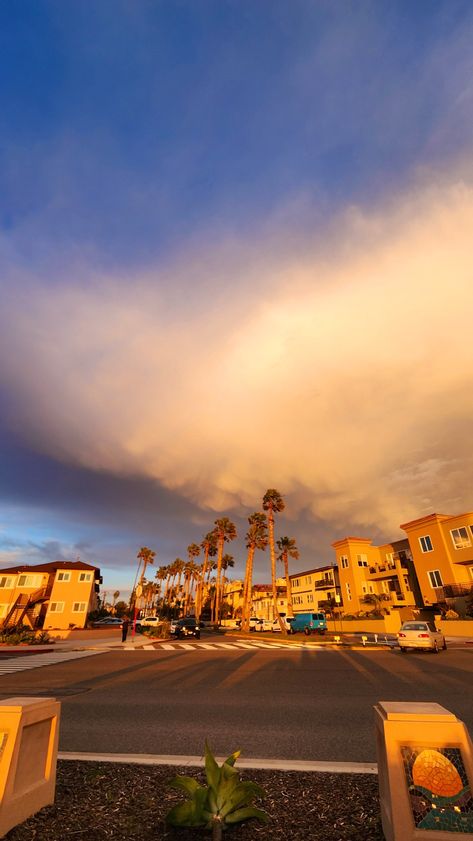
x=310, y=623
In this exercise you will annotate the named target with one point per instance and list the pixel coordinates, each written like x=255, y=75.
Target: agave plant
x=224, y=801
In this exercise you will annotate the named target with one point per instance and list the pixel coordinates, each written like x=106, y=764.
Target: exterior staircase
x=23, y=606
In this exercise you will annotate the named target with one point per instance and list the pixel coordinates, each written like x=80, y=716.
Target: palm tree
x=116, y=596
x=287, y=549
x=256, y=538
x=273, y=502
x=226, y=531
x=193, y=552
x=145, y=556
x=209, y=545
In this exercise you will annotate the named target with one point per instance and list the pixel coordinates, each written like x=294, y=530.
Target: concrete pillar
x=425, y=772
x=29, y=730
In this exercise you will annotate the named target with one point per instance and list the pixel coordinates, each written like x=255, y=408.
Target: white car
x=263, y=625
x=422, y=635
x=286, y=621
x=149, y=621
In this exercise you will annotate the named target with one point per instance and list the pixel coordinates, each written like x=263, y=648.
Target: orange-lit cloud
x=340, y=374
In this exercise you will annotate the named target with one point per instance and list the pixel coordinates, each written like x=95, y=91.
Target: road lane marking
x=18, y=664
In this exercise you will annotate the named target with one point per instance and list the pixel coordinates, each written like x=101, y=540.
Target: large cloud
x=341, y=374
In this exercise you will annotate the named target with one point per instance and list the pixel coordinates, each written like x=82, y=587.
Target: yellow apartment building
x=315, y=589
x=262, y=602
x=442, y=551
x=386, y=573
x=55, y=595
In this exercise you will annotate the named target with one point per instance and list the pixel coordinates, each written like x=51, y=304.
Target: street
x=272, y=702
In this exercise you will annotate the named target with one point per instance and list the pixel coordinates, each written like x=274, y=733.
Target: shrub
x=223, y=802
x=22, y=635
x=162, y=630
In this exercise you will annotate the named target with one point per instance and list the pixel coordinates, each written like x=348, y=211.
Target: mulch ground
x=102, y=801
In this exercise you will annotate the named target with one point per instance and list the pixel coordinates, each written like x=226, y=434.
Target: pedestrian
x=125, y=624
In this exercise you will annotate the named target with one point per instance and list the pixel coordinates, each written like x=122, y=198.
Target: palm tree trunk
x=273, y=569
x=245, y=625
x=290, y=609
x=219, y=574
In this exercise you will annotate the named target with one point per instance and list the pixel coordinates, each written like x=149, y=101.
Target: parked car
x=263, y=625
x=309, y=623
x=422, y=635
x=186, y=627
x=108, y=622
x=287, y=620
x=149, y=621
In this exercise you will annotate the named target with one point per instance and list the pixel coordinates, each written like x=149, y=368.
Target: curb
x=199, y=762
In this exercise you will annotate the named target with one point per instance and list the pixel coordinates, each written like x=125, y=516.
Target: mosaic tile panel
x=440, y=796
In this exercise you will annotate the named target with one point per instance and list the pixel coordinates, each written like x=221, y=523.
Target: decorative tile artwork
x=440, y=796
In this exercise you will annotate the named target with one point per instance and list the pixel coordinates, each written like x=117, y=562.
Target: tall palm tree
x=287, y=549
x=273, y=502
x=209, y=545
x=145, y=556
x=256, y=538
x=193, y=552
x=226, y=531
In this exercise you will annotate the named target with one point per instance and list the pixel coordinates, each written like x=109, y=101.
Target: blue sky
x=167, y=169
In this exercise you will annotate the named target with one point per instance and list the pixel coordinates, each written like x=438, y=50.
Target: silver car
x=422, y=635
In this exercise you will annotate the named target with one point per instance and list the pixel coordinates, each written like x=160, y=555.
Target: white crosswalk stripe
x=238, y=646
x=34, y=661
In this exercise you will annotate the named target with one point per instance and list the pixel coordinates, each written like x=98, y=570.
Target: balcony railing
x=453, y=591
x=324, y=584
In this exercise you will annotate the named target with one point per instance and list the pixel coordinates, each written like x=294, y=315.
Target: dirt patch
x=129, y=803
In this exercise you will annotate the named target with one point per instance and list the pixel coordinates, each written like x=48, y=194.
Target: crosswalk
x=49, y=658
x=236, y=646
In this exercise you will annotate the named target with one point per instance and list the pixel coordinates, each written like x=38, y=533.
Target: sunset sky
x=236, y=246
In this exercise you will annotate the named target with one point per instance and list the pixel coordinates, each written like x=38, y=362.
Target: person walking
x=125, y=625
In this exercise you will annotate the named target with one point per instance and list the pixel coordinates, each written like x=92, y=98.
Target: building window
x=344, y=561
x=85, y=576
x=310, y=597
x=435, y=578
x=348, y=591
x=29, y=581
x=6, y=581
x=371, y=588
x=56, y=607
x=385, y=585
x=406, y=582
x=362, y=560
x=295, y=582
x=460, y=538
x=363, y=589
x=308, y=579
x=79, y=607
x=3, y=610
x=389, y=557
x=64, y=576
x=426, y=543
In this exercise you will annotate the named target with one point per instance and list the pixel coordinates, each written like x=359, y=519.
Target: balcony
x=453, y=591
x=324, y=584
x=382, y=570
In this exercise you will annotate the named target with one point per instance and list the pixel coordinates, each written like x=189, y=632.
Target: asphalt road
x=294, y=704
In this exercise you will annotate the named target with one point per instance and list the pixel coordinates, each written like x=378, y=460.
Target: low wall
x=455, y=627
x=388, y=625
x=84, y=633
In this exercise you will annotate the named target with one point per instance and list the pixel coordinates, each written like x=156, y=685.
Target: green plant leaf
x=184, y=814
x=189, y=784
x=226, y=789
x=232, y=758
x=245, y=814
x=212, y=770
x=242, y=795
